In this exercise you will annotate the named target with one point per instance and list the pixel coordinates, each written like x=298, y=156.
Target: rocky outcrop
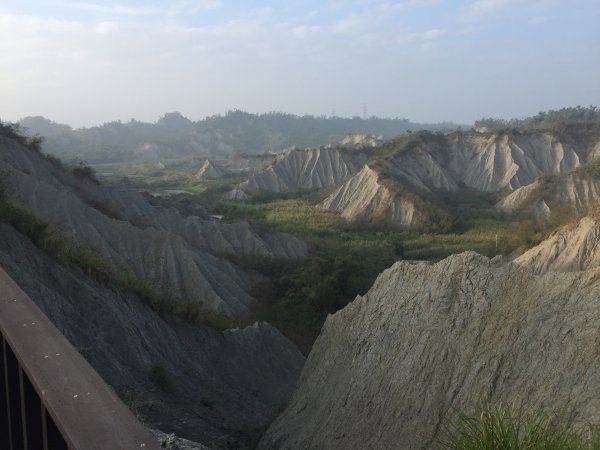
x=177, y=255
x=209, y=171
x=364, y=197
x=237, y=194
x=572, y=247
x=431, y=340
x=354, y=140
x=305, y=169
x=226, y=385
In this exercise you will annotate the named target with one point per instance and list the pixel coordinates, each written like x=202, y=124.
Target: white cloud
x=352, y=25
x=188, y=7
x=392, y=6
x=480, y=9
x=106, y=27
x=119, y=9
x=424, y=37
x=305, y=31
x=538, y=20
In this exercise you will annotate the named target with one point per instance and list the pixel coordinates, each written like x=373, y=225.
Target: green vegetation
x=501, y=428
x=545, y=119
x=159, y=375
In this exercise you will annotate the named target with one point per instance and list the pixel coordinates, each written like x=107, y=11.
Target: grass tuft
x=500, y=428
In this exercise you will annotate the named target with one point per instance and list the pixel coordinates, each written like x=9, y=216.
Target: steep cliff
x=430, y=340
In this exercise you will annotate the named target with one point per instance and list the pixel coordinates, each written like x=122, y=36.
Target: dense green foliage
x=501, y=428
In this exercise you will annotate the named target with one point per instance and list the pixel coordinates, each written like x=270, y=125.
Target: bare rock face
x=364, y=197
x=431, y=339
x=501, y=161
x=179, y=256
x=573, y=247
x=308, y=169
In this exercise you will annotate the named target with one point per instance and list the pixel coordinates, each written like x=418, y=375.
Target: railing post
x=5, y=440
x=11, y=372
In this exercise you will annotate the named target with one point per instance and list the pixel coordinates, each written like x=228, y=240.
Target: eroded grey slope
x=487, y=162
x=227, y=385
x=175, y=254
x=427, y=339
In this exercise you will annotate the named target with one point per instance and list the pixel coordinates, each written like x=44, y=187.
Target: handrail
x=50, y=397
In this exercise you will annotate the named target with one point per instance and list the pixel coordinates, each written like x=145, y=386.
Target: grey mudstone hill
x=305, y=169
x=430, y=340
x=402, y=176
x=219, y=388
x=398, y=181
x=181, y=256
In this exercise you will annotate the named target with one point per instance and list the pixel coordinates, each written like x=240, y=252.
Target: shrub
x=84, y=172
x=158, y=375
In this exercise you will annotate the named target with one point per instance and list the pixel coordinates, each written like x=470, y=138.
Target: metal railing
x=50, y=397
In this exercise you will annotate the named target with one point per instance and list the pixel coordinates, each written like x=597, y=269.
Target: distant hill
x=175, y=136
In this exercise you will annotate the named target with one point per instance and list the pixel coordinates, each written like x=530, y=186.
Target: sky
x=88, y=62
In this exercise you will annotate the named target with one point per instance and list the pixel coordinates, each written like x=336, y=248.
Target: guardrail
x=50, y=397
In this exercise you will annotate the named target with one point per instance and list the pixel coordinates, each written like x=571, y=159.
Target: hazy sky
x=86, y=62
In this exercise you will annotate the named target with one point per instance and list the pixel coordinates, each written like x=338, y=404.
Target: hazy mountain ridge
x=174, y=136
